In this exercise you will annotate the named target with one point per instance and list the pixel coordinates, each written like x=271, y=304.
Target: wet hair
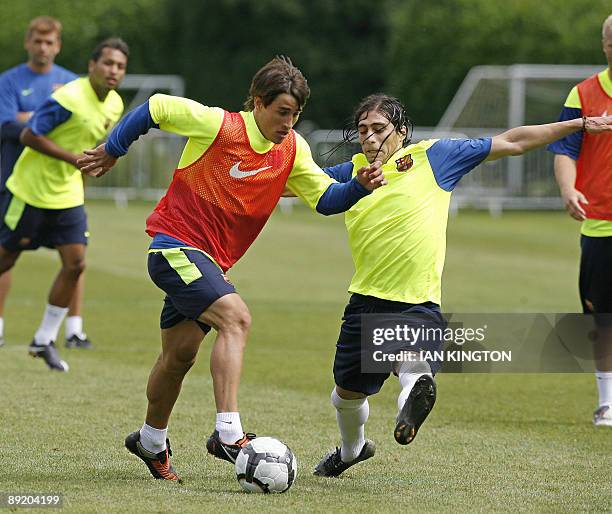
x=115, y=43
x=389, y=106
x=44, y=25
x=277, y=77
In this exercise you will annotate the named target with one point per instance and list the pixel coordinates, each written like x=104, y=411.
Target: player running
x=43, y=201
x=230, y=176
x=398, y=242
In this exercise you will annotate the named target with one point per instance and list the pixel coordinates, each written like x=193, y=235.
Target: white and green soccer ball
x=266, y=465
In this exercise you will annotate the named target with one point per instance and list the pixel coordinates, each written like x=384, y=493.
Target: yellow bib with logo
x=397, y=234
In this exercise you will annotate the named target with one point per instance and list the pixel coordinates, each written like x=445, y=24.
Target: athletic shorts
x=596, y=277
x=347, y=363
x=25, y=227
x=192, y=283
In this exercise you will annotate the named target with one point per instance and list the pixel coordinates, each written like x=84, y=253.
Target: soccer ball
x=266, y=465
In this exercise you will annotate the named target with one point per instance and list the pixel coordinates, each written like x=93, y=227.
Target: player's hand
x=572, y=198
x=599, y=124
x=96, y=162
x=76, y=158
x=371, y=177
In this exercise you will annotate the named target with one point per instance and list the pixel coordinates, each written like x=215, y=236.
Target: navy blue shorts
x=25, y=227
x=192, y=282
x=347, y=363
x=596, y=278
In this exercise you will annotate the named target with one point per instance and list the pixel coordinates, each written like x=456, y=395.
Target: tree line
x=417, y=50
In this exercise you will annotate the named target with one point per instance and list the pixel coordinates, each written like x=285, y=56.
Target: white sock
x=604, y=385
x=229, y=427
x=74, y=326
x=1, y=327
x=351, y=416
x=50, y=324
x=153, y=439
x=408, y=374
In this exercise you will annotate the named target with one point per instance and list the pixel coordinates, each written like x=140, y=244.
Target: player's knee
x=244, y=320
x=182, y=365
x=238, y=320
x=179, y=362
x=357, y=407
x=343, y=397
x=7, y=260
x=6, y=264
x=75, y=267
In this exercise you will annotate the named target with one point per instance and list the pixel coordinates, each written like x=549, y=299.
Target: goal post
x=492, y=99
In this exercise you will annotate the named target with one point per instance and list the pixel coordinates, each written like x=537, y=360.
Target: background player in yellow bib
x=397, y=237
x=43, y=201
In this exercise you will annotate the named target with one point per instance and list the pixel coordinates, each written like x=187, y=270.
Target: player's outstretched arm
x=342, y=172
x=520, y=140
x=100, y=160
x=340, y=197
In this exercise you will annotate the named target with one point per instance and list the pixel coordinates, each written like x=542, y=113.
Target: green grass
x=493, y=442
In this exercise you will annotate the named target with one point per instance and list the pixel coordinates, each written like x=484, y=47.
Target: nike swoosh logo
x=27, y=92
x=237, y=173
x=228, y=422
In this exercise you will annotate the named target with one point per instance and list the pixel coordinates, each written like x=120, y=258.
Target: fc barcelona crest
x=404, y=163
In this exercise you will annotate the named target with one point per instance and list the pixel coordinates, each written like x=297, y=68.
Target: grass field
x=493, y=442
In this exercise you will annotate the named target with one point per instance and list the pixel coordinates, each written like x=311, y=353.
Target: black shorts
x=347, y=363
x=596, y=277
x=192, y=282
x=25, y=227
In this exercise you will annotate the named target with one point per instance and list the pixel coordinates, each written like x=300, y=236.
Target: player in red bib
x=583, y=169
x=233, y=169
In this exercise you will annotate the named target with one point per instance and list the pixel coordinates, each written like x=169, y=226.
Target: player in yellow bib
x=43, y=201
x=398, y=243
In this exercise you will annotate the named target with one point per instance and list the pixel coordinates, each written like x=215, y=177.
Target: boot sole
x=418, y=405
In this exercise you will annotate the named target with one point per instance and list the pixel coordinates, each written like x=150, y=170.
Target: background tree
x=432, y=47
x=347, y=48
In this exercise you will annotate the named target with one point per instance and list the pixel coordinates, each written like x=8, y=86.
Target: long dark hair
x=389, y=106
